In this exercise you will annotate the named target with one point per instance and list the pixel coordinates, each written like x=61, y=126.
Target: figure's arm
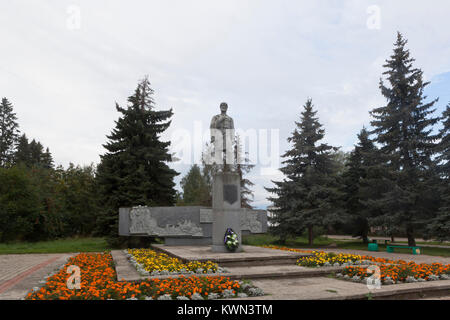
x=213, y=127
x=213, y=124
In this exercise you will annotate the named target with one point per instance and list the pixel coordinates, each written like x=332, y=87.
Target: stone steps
x=245, y=262
x=251, y=256
x=279, y=271
x=126, y=272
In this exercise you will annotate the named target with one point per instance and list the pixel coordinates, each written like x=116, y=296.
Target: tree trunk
x=392, y=239
x=310, y=236
x=365, y=233
x=282, y=240
x=365, y=239
x=410, y=235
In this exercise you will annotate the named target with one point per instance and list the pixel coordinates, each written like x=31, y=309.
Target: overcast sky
x=64, y=64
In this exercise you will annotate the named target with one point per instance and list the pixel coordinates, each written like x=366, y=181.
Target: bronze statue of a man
x=222, y=135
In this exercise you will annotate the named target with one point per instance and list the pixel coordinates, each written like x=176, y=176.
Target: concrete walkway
x=325, y=288
x=19, y=273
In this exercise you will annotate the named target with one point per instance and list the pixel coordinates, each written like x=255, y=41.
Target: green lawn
x=299, y=242
x=99, y=245
x=435, y=243
x=431, y=251
x=323, y=242
x=56, y=246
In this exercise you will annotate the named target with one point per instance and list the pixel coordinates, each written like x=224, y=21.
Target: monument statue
x=199, y=225
x=226, y=186
x=222, y=137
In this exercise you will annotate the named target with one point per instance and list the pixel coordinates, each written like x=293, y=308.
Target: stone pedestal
x=226, y=207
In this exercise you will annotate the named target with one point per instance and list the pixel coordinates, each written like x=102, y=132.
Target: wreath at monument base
x=231, y=240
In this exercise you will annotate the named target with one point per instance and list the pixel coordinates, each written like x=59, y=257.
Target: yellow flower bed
x=156, y=261
x=321, y=258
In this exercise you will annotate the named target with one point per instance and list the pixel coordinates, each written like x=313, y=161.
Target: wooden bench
x=415, y=250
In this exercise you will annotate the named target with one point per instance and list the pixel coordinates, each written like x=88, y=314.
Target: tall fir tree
x=308, y=197
x=9, y=133
x=134, y=170
x=360, y=159
x=32, y=154
x=406, y=144
x=23, y=153
x=439, y=227
x=47, y=159
x=36, y=152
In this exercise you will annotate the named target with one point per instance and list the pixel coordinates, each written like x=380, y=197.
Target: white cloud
x=264, y=58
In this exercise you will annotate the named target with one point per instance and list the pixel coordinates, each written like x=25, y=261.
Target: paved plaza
x=20, y=273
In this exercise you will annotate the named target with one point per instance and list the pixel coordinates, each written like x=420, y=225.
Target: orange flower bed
x=397, y=270
x=99, y=281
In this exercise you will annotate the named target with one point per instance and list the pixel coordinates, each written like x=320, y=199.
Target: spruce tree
x=443, y=158
x=23, y=153
x=134, y=170
x=47, y=159
x=32, y=154
x=9, y=133
x=401, y=128
x=439, y=227
x=308, y=196
x=36, y=152
x=360, y=160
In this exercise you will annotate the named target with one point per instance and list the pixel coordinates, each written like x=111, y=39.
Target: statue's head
x=223, y=107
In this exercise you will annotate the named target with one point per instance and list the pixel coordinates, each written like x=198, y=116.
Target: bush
x=19, y=204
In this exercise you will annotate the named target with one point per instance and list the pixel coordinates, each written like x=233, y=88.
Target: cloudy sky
x=64, y=64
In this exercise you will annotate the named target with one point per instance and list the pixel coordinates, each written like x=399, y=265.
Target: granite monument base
x=224, y=219
x=226, y=207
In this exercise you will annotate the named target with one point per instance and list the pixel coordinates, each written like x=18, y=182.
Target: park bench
x=373, y=244
x=415, y=250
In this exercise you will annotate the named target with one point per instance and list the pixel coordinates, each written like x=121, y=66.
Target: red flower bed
x=99, y=281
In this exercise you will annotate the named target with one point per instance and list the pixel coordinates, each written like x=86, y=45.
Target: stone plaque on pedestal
x=226, y=207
